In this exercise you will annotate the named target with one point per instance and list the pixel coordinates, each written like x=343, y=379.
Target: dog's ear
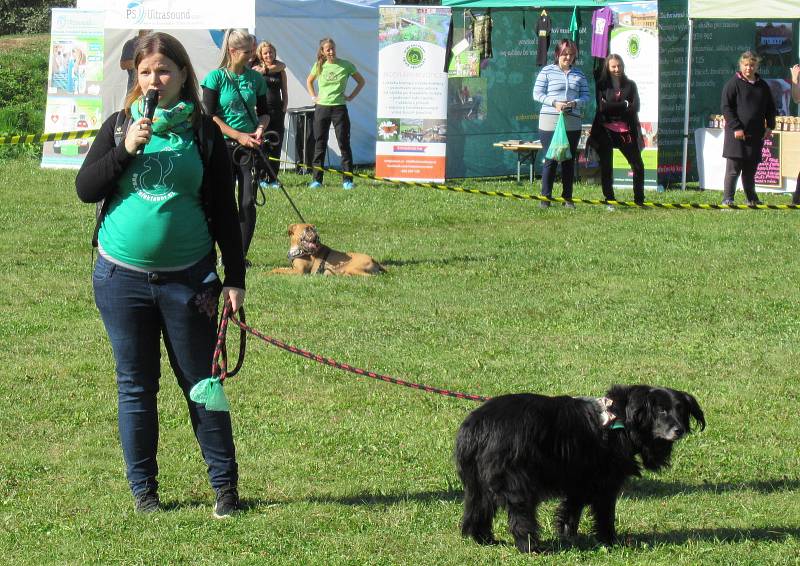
x=694, y=409
x=637, y=406
x=290, y=231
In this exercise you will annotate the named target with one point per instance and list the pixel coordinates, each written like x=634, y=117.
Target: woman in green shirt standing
x=332, y=75
x=236, y=96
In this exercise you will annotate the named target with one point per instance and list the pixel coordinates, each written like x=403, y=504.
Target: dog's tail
x=479, y=506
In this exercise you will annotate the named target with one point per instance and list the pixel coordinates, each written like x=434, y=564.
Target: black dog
x=516, y=450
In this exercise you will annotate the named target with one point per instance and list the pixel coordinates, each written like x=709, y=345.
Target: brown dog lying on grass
x=308, y=255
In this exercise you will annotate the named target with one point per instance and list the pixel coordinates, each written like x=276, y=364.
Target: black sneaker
x=146, y=502
x=569, y=205
x=755, y=202
x=544, y=204
x=248, y=264
x=227, y=502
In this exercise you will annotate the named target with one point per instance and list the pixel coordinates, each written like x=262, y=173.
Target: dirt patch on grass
x=21, y=41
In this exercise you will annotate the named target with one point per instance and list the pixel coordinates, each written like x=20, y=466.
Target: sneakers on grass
x=347, y=185
x=314, y=185
x=146, y=502
x=227, y=502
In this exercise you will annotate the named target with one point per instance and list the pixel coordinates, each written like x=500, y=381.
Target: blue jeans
x=137, y=309
x=567, y=167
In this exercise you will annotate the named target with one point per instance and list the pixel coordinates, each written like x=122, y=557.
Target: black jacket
x=750, y=107
x=106, y=161
x=609, y=109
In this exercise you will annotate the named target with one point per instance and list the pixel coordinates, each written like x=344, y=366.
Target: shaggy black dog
x=516, y=450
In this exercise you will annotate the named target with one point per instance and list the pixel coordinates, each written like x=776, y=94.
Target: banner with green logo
x=412, y=93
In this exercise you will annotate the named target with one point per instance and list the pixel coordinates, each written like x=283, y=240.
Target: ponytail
x=236, y=39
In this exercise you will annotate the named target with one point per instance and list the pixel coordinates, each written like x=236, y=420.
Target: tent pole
x=687, y=99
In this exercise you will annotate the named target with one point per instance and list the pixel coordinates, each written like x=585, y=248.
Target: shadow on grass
x=648, y=488
x=450, y=495
x=766, y=534
x=437, y=261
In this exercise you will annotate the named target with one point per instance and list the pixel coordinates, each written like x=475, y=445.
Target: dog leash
x=244, y=328
x=248, y=156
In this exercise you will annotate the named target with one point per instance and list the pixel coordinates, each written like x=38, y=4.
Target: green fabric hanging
x=559, y=146
x=573, y=24
x=209, y=392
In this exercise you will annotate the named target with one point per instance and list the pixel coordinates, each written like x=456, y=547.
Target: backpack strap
x=120, y=129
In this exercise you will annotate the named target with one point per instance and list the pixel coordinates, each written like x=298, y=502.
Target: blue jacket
x=552, y=85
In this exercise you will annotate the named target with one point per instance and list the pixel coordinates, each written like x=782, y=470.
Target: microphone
x=150, y=103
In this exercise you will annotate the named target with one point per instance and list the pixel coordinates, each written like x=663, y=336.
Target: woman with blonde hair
x=167, y=202
x=274, y=73
x=749, y=110
x=235, y=95
x=331, y=75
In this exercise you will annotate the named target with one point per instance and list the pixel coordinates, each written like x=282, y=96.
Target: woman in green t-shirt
x=236, y=96
x=332, y=75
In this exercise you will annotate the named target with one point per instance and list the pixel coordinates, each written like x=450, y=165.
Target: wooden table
x=525, y=152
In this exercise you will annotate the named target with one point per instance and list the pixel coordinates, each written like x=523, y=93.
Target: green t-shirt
x=251, y=85
x=155, y=218
x=332, y=81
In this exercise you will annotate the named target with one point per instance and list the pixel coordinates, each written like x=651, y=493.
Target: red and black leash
x=221, y=355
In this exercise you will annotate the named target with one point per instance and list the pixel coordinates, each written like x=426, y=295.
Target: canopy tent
x=295, y=27
x=525, y=3
x=728, y=10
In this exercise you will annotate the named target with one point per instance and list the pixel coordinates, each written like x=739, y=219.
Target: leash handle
x=219, y=364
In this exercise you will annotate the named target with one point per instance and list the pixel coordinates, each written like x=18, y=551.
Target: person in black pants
x=331, y=75
x=749, y=111
x=616, y=125
x=274, y=72
x=796, y=97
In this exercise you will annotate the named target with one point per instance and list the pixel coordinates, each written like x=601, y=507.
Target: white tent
x=728, y=10
x=295, y=28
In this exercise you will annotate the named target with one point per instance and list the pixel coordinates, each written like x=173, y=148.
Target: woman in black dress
x=274, y=73
x=749, y=111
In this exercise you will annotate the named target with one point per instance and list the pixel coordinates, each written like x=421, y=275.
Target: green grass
x=483, y=295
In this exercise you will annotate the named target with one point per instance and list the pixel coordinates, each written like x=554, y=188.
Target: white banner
x=175, y=14
x=412, y=93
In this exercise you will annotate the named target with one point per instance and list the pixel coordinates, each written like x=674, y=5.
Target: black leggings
x=246, y=194
x=796, y=195
x=324, y=116
x=628, y=144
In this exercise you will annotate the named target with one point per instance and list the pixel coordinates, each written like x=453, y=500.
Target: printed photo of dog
x=308, y=255
x=515, y=451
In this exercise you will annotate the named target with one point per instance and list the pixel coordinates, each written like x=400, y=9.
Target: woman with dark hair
x=561, y=88
x=749, y=110
x=164, y=209
x=236, y=96
x=274, y=73
x=331, y=75
x=616, y=125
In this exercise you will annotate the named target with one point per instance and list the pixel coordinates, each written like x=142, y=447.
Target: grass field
x=483, y=295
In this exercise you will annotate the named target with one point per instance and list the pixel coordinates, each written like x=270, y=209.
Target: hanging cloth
x=573, y=24
x=543, y=28
x=482, y=34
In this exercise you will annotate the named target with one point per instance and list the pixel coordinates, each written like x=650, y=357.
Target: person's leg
x=733, y=168
x=245, y=195
x=568, y=166
x=749, y=180
x=633, y=154
x=276, y=118
x=132, y=322
x=322, y=123
x=548, y=165
x=796, y=195
x=188, y=303
x=341, y=126
x=605, y=154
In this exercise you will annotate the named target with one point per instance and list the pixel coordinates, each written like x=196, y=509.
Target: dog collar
x=607, y=418
x=294, y=253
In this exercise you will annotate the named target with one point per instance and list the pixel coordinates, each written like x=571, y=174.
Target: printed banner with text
x=412, y=93
x=74, y=84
